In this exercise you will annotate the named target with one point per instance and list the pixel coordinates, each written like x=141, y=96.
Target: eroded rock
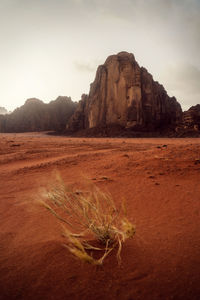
x=125, y=94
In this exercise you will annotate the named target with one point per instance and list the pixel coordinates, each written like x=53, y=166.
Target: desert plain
x=159, y=179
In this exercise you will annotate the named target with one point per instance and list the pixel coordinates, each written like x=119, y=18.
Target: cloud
x=177, y=22
x=185, y=77
x=182, y=80
x=74, y=36
x=87, y=66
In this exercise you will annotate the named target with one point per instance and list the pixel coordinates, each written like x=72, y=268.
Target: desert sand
x=159, y=178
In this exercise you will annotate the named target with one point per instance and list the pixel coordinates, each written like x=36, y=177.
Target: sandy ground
x=161, y=186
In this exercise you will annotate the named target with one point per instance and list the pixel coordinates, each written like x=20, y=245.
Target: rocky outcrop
x=35, y=115
x=3, y=111
x=79, y=120
x=191, y=118
x=190, y=125
x=124, y=94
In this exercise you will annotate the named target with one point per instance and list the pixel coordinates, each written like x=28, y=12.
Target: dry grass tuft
x=92, y=214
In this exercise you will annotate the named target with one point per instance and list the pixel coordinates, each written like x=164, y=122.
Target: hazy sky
x=53, y=47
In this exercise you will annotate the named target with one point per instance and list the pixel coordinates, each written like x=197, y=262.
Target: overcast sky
x=53, y=47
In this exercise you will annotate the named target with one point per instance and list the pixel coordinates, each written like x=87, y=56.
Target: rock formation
x=3, y=111
x=125, y=94
x=191, y=118
x=35, y=115
x=190, y=125
x=123, y=100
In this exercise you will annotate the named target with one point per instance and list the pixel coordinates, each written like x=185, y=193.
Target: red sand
x=161, y=186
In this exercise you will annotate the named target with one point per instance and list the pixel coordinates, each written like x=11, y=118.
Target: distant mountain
x=3, y=111
x=35, y=115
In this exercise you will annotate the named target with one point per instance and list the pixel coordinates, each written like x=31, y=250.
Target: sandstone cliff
x=35, y=115
x=125, y=94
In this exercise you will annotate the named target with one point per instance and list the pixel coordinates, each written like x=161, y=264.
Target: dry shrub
x=88, y=215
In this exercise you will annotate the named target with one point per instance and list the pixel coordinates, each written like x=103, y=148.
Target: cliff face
x=35, y=115
x=125, y=94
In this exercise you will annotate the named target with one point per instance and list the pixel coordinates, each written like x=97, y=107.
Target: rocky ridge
x=3, y=110
x=35, y=115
